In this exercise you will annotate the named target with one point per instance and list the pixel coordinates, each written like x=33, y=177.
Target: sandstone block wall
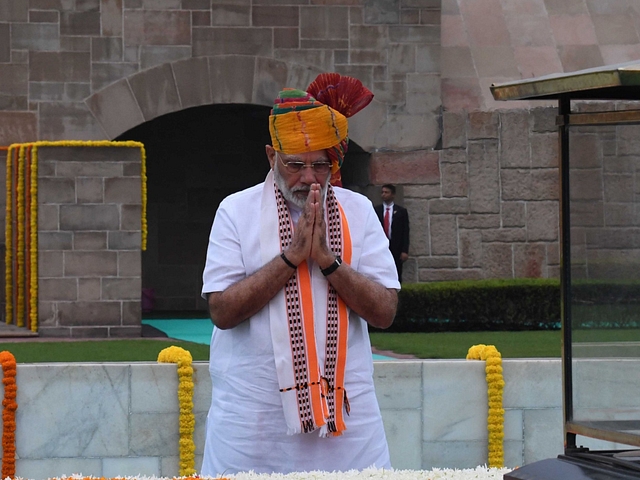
x=480, y=183
x=54, y=56
x=89, y=237
x=604, y=212
x=486, y=204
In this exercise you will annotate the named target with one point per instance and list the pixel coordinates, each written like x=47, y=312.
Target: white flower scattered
x=478, y=473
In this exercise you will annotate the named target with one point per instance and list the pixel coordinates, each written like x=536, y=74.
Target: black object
x=605, y=465
x=286, y=260
x=333, y=267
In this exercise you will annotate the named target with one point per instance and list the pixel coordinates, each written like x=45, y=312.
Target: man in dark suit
x=395, y=222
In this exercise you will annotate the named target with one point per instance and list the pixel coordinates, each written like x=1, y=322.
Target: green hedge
x=512, y=305
x=478, y=305
x=599, y=304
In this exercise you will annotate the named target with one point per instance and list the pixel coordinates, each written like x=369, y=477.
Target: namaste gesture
x=310, y=237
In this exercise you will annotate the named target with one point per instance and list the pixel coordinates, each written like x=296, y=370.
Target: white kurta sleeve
x=224, y=264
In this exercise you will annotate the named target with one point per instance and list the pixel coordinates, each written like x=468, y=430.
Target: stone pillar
x=89, y=241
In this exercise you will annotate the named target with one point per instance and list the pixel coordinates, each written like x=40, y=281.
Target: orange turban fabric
x=299, y=123
x=317, y=119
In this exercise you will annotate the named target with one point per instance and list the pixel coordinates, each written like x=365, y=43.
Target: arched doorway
x=195, y=158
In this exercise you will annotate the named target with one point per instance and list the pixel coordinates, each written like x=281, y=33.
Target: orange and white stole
x=313, y=395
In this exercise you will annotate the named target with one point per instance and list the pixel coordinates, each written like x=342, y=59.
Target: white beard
x=296, y=195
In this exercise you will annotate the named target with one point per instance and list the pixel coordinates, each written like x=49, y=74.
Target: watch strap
x=333, y=267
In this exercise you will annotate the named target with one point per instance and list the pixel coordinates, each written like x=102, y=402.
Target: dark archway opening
x=195, y=158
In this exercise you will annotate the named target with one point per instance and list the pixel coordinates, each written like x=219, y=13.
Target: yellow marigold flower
x=495, y=387
x=187, y=425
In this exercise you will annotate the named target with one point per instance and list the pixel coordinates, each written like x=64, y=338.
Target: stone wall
x=89, y=240
x=56, y=55
x=486, y=205
x=604, y=211
x=480, y=183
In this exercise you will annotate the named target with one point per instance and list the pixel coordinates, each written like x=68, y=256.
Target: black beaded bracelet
x=286, y=260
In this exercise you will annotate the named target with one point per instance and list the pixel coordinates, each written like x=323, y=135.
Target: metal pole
x=564, y=110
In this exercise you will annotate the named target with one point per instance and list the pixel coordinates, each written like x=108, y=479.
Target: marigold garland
x=33, y=250
x=21, y=240
x=185, y=398
x=8, y=240
x=495, y=388
x=143, y=191
x=27, y=235
x=21, y=274
x=78, y=477
x=10, y=406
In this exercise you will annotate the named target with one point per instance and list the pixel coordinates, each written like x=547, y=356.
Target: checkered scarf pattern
x=294, y=316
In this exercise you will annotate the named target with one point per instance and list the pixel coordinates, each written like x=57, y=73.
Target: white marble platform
x=114, y=419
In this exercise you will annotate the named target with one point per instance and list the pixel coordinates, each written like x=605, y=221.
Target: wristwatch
x=333, y=267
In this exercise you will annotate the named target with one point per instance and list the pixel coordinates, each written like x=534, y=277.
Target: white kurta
x=246, y=429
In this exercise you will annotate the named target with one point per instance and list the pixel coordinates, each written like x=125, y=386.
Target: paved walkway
x=12, y=333
x=8, y=332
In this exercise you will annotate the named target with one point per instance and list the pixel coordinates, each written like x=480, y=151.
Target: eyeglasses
x=321, y=168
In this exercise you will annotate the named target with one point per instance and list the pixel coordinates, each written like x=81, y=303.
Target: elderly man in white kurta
x=295, y=270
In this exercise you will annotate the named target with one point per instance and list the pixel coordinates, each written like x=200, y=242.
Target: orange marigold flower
x=9, y=370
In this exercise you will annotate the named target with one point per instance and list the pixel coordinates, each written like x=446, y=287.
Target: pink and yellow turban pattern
x=317, y=119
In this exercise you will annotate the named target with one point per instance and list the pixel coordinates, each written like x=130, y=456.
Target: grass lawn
x=509, y=344
x=130, y=350
x=447, y=345
x=456, y=344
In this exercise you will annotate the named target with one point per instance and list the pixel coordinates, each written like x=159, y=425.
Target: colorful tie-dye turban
x=317, y=119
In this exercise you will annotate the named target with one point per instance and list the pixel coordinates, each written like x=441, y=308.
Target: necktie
x=385, y=223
